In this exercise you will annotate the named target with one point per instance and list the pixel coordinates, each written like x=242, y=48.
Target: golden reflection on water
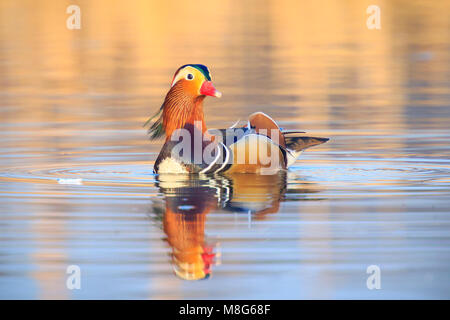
x=74, y=98
x=310, y=56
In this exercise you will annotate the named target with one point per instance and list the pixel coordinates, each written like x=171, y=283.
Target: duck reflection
x=189, y=199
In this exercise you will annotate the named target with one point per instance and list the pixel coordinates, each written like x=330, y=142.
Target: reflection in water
x=187, y=204
x=188, y=200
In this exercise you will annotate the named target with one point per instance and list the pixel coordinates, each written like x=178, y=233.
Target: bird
x=259, y=146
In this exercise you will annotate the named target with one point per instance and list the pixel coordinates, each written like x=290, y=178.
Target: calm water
x=76, y=182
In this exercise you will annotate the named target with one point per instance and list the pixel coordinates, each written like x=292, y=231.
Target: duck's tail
x=300, y=143
x=295, y=144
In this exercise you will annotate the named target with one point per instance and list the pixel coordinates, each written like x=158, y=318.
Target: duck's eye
x=189, y=76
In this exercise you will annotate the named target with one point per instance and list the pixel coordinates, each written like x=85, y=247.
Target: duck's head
x=195, y=80
x=183, y=103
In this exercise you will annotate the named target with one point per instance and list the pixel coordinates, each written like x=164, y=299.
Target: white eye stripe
x=183, y=74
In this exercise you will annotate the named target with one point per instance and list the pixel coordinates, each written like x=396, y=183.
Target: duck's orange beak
x=208, y=89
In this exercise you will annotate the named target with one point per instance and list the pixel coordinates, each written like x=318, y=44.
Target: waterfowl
x=259, y=146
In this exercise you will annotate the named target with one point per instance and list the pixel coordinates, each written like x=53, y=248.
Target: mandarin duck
x=260, y=146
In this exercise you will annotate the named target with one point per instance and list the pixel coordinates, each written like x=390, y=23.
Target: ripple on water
x=339, y=171
x=332, y=218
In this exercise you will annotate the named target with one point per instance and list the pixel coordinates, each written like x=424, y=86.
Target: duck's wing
x=263, y=133
x=259, y=123
x=259, y=147
x=263, y=124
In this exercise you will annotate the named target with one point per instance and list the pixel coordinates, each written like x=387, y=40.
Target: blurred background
x=73, y=102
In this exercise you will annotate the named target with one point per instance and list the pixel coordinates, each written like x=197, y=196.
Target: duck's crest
x=200, y=67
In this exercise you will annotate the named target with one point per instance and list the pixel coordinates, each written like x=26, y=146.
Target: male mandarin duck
x=260, y=146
